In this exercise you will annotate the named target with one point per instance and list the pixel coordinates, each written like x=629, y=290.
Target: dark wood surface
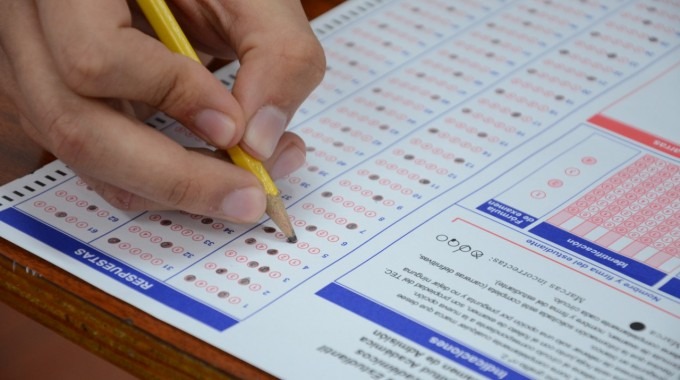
x=104, y=325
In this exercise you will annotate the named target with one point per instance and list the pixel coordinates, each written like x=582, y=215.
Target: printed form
x=492, y=190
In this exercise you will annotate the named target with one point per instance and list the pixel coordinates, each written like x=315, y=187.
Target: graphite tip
x=292, y=239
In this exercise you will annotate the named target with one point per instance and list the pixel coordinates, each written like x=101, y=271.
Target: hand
x=74, y=67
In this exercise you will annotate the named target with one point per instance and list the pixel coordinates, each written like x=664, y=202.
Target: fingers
x=139, y=166
x=148, y=170
x=280, y=65
x=98, y=54
x=281, y=61
x=69, y=87
x=288, y=157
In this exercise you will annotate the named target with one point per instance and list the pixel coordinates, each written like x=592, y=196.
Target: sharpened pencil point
x=277, y=211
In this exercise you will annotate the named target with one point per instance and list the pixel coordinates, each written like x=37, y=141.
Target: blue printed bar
x=417, y=333
x=613, y=260
x=506, y=213
x=116, y=270
x=672, y=287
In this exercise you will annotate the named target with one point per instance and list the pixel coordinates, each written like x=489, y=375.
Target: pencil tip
x=277, y=212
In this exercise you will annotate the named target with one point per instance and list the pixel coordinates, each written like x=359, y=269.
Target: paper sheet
x=491, y=191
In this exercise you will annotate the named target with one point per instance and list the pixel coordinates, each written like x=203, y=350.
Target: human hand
x=74, y=66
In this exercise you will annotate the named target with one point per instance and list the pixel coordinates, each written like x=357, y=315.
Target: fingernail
x=290, y=160
x=244, y=205
x=216, y=127
x=264, y=130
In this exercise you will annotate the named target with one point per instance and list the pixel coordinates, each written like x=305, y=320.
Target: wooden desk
x=102, y=324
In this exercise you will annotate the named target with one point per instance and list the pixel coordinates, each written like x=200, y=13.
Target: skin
x=77, y=69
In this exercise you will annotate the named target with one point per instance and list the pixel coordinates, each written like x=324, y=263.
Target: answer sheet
x=491, y=191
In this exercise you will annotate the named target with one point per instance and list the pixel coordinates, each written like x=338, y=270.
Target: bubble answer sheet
x=492, y=190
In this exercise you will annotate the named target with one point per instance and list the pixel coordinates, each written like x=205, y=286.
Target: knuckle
x=118, y=198
x=182, y=192
x=318, y=61
x=83, y=65
x=65, y=138
x=308, y=54
x=175, y=91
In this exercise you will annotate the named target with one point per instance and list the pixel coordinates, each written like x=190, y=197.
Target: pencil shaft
x=244, y=160
x=165, y=25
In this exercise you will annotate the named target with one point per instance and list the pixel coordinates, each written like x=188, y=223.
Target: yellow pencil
x=165, y=25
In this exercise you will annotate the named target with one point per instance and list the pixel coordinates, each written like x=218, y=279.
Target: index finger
x=103, y=144
x=99, y=54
